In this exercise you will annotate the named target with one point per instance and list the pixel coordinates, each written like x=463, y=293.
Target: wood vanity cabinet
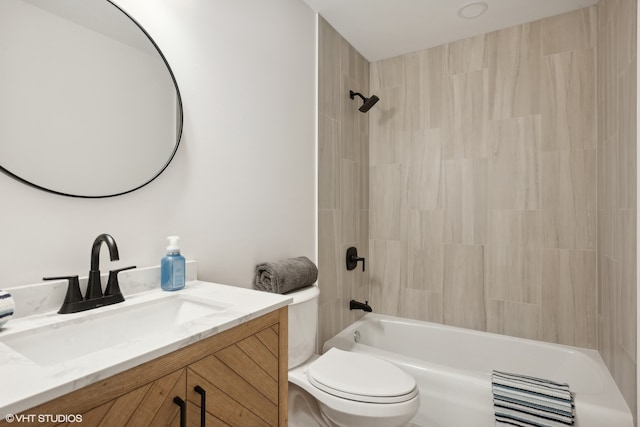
x=240, y=375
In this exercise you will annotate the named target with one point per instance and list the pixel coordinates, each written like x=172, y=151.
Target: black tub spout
x=357, y=305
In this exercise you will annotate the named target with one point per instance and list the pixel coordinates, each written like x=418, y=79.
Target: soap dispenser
x=172, y=267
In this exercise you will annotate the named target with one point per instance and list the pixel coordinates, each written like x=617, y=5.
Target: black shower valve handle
x=353, y=258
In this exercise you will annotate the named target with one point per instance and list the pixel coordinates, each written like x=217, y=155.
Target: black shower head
x=368, y=102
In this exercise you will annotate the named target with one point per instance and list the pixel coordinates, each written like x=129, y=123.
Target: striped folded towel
x=6, y=307
x=519, y=400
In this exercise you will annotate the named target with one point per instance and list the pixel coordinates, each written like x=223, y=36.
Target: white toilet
x=347, y=388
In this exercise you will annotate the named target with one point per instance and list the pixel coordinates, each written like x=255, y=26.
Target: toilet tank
x=303, y=324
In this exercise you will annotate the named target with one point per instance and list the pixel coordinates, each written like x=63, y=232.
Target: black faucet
x=74, y=302
x=357, y=305
x=94, y=286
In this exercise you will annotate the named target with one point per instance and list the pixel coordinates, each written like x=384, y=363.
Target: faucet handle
x=73, y=292
x=353, y=258
x=113, y=287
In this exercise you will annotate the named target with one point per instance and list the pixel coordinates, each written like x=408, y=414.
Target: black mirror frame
x=178, y=136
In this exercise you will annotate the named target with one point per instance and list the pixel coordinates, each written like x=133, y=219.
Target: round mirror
x=89, y=106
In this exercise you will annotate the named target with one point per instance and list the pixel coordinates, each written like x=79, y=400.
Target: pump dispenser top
x=173, y=244
x=172, y=267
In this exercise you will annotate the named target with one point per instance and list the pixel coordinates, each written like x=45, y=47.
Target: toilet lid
x=361, y=377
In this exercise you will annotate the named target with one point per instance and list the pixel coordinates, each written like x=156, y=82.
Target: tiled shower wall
x=617, y=211
x=485, y=208
x=483, y=182
x=343, y=180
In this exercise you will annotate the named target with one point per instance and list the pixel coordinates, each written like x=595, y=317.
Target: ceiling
x=381, y=29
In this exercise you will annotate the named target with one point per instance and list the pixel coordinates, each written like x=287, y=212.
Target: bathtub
x=452, y=367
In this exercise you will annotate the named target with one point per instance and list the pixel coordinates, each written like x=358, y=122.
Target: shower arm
x=353, y=94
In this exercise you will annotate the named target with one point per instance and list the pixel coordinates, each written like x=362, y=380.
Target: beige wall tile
x=569, y=31
x=624, y=21
x=608, y=285
x=468, y=55
x=513, y=256
x=387, y=137
x=328, y=254
x=625, y=376
x=463, y=292
x=514, y=163
x=568, y=203
x=465, y=201
x=387, y=74
x=329, y=158
x=569, y=297
x=413, y=116
x=349, y=125
x=330, y=320
x=609, y=55
x=605, y=12
x=349, y=200
x=568, y=121
x=364, y=173
x=385, y=275
x=514, y=71
x=434, y=77
x=627, y=142
x=423, y=174
x=608, y=200
x=329, y=74
x=421, y=305
x=423, y=269
x=348, y=59
x=626, y=303
x=385, y=196
x=514, y=318
x=465, y=123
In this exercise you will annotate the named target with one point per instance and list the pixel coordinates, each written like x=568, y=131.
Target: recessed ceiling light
x=473, y=10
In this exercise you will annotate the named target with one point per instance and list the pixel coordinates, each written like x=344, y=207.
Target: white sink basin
x=108, y=327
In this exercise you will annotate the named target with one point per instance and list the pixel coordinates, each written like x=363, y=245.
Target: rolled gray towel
x=285, y=275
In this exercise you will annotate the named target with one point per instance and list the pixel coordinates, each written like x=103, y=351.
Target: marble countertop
x=27, y=383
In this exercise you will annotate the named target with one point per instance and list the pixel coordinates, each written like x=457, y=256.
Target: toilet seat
x=361, y=378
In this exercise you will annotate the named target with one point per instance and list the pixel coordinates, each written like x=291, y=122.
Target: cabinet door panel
x=149, y=405
x=157, y=407
x=251, y=371
x=269, y=337
x=257, y=351
x=236, y=387
x=193, y=418
x=221, y=409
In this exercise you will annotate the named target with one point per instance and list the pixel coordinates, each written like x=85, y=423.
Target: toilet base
x=303, y=409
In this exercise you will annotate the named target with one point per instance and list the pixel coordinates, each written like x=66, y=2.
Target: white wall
x=241, y=188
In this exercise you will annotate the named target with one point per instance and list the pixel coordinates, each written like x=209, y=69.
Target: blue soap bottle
x=172, y=267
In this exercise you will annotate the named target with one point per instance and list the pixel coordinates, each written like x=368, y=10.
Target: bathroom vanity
x=226, y=362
